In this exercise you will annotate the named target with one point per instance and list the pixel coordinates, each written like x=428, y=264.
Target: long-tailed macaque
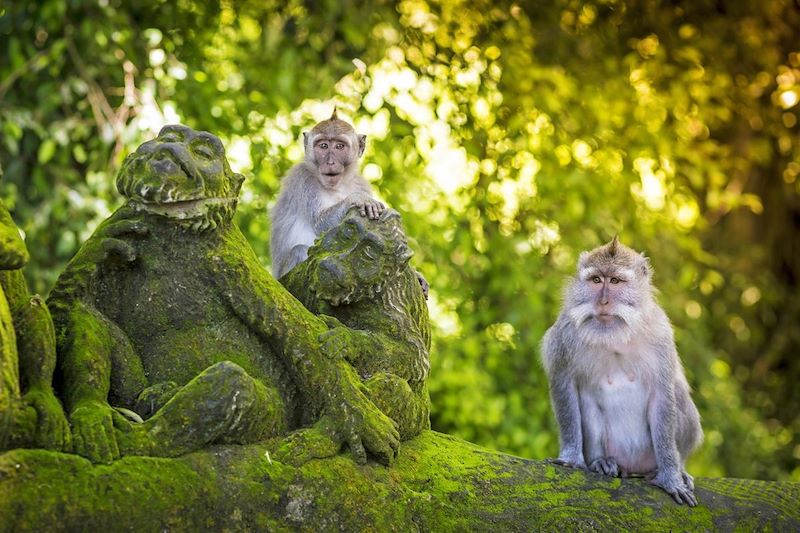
x=317, y=192
x=616, y=383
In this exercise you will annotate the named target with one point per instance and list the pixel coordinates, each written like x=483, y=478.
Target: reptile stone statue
x=30, y=414
x=172, y=336
x=357, y=277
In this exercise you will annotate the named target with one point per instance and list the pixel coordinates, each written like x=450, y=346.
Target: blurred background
x=510, y=135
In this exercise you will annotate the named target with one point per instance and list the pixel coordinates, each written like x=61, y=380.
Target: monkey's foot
x=675, y=485
x=605, y=465
x=688, y=480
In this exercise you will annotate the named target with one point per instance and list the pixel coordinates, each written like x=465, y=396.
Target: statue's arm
x=329, y=385
x=371, y=352
x=36, y=348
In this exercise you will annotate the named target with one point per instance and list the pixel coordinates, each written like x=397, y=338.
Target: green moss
x=438, y=483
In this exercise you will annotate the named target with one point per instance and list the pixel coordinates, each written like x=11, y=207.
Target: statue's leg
x=223, y=404
x=393, y=395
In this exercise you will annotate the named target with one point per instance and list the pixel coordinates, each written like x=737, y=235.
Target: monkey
x=618, y=391
x=317, y=192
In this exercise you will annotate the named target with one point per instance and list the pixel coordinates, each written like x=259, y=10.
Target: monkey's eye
x=324, y=146
x=596, y=279
x=340, y=146
x=615, y=280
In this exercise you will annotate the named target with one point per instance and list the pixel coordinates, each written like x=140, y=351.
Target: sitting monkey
x=317, y=192
x=619, y=394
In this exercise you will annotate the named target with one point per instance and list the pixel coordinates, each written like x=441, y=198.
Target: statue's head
x=182, y=175
x=359, y=257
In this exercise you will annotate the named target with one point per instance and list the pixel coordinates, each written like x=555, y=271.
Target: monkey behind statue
x=618, y=390
x=317, y=192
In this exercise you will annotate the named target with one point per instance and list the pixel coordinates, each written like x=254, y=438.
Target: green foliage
x=511, y=137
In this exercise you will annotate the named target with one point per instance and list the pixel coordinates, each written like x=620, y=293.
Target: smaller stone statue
x=30, y=414
x=357, y=278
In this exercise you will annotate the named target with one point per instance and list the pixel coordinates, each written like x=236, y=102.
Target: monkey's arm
x=662, y=417
x=565, y=398
x=362, y=199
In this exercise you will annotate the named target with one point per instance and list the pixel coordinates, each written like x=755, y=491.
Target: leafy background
x=510, y=135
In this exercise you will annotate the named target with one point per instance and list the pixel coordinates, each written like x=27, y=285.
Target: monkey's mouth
x=182, y=209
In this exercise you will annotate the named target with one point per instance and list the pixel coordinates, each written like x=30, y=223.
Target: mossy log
x=438, y=483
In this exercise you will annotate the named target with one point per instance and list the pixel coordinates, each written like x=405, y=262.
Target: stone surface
x=437, y=483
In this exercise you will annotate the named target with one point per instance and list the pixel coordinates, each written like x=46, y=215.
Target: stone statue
x=30, y=414
x=171, y=335
x=357, y=278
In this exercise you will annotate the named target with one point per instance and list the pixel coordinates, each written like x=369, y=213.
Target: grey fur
x=619, y=394
x=306, y=208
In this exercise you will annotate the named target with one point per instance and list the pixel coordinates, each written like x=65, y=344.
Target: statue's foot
x=132, y=436
x=306, y=444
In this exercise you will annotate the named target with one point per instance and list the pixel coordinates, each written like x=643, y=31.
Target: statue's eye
x=596, y=279
x=204, y=151
x=170, y=138
x=370, y=251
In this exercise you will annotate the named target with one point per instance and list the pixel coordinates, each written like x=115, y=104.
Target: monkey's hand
x=605, y=465
x=93, y=431
x=52, y=428
x=675, y=485
x=423, y=283
x=369, y=206
x=570, y=458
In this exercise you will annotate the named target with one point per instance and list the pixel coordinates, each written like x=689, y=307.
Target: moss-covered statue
x=357, y=277
x=30, y=414
x=166, y=316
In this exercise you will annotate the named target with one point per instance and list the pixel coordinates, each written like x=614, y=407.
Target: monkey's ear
x=362, y=144
x=582, y=259
x=643, y=266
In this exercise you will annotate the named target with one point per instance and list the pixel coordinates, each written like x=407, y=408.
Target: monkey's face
x=182, y=175
x=606, y=298
x=362, y=255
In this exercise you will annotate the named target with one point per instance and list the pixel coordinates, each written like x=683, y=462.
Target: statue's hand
x=337, y=342
x=93, y=431
x=52, y=428
x=354, y=419
x=115, y=247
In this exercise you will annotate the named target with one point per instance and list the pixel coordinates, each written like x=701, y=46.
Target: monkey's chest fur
x=615, y=399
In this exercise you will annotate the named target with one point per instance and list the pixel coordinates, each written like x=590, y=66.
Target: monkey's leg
x=223, y=404
x=592, y=420
x=394, y=396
